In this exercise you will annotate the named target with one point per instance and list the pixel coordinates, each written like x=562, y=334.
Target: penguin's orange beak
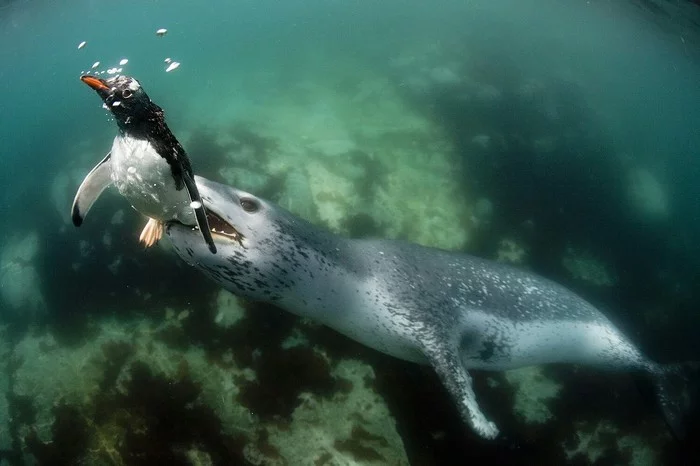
x=95, y=83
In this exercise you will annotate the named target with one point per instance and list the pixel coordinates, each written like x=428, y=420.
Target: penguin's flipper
x=199, y=212
x=90, y=189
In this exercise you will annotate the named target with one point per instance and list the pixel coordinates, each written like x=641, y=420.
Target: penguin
x=147, y=164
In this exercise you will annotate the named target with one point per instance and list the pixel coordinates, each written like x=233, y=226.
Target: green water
x=558, y=136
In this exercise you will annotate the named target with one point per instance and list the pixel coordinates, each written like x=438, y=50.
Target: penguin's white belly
x=144, y=177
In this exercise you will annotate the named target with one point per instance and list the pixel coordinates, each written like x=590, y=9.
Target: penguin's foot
x=151, y=233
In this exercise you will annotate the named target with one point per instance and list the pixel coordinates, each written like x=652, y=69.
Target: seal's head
x=255, y=240
x=126, y=99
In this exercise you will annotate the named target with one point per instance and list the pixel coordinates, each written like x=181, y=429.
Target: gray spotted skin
x=452, y=311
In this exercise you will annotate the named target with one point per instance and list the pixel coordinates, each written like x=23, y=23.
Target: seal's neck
x=326, y=269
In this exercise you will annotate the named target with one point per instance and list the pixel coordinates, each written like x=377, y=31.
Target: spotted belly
x=493, y=343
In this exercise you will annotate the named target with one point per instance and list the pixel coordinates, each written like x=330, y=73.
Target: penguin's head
x=126, y=99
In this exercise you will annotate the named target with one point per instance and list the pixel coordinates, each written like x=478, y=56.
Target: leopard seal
x=452, y=311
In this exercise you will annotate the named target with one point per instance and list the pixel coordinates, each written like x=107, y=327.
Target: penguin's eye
x=249, y=205
x=126, y=93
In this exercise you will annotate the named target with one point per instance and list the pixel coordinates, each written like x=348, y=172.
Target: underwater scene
x=372, y=233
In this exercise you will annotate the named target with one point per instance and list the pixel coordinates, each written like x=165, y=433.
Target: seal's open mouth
x=221, y=227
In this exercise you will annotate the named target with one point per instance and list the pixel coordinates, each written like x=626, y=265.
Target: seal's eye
x=249, y=205
x=126, y=93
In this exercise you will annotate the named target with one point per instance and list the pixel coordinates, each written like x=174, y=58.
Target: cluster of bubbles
x=172, y=65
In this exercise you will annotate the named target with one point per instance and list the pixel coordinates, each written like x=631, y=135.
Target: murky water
x=561, y=137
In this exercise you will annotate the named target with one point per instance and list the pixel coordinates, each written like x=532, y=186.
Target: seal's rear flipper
x=677, y=393
x=199, y=212
x=90, y=189
x=456, y=379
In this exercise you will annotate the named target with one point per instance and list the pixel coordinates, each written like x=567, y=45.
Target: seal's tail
x=676, y=387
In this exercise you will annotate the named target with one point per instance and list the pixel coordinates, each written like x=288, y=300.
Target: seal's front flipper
x=199, y=212
x=456, y=379
x=90, y=189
